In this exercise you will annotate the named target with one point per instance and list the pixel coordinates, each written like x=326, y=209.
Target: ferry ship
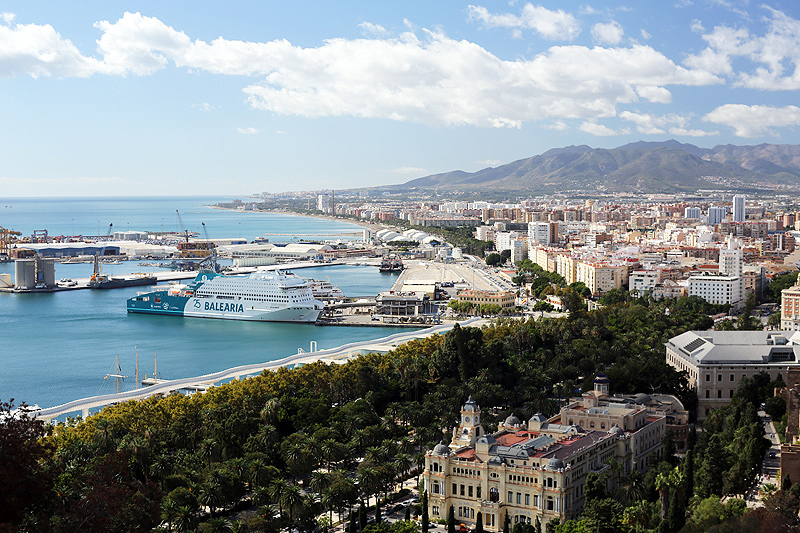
x=325, y=290
x=262, y=296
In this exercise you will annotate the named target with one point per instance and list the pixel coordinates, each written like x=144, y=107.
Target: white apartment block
x=542, y=232
x=716, y=215
x=739, y=211
x=643, y=280
x=485, y=233
x=692, y=212
x=718, y=289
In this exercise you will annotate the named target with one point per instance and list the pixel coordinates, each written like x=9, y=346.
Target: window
x=733, y=378
x=478, y=491
x=469, y=491
x=455, y=489
x=527, y=499
x=708, y=393
x=494, y=495
x=719, y=393
x=462, y=490
x=731, y=396
x=519, y=498
x=435, y=487
x=719, y=377
x=510, y=497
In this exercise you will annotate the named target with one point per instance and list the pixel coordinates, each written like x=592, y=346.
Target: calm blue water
x=91, y=216
x=57, y=347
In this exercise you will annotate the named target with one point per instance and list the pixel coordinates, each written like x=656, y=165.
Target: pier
x=338, y=355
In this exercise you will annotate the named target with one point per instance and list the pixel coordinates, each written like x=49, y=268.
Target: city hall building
x=536, y=470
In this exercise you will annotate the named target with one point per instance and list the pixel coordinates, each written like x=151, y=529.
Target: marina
x=57, y=345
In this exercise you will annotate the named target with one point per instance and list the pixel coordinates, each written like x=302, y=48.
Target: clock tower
x=470, y=429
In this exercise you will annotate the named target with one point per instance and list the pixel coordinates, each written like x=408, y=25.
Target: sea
x=58, y=347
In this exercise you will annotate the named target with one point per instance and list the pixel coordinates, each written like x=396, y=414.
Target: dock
x=173, y=275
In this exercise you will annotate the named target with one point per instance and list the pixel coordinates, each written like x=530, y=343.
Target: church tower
x=470, y=428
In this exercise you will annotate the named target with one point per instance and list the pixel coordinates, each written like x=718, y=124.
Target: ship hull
x=163, y=304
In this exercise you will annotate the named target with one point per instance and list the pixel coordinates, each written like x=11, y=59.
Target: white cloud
x=247, y=131
x=489, y=162
x=372, y=29
x=697, y=26
x=427, y=78
x=607, y=33
x=691, y=132
x=675, y=124
x=599, y=130
x=553, y=25
x=775, y=56
x=754, y=120
x=654, y=94
x=409, y=170
x=205, y=106
x=7, y=18
x=645, y=34
x=39, y=50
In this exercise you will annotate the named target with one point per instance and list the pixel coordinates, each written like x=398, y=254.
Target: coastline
x=364, y=224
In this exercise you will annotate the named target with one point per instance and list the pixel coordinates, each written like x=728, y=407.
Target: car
x=772, y=454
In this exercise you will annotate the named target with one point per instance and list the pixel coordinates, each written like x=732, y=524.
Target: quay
x=338, y=355
x=83, y=283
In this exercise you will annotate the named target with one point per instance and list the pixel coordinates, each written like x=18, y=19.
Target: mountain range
x=640, y=167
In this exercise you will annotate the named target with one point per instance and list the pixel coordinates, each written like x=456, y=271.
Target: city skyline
x=152, y=99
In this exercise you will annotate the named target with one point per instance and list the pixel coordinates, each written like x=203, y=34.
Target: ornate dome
x=641, y=398
x=470, y=406
x=616, y=430
x=496, y=460
x=512, y=420
x=555, y=463
x=441, y=449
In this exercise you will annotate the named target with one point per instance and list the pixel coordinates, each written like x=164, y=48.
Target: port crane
x=183, y=229
x=5, y=239
x=212, y=253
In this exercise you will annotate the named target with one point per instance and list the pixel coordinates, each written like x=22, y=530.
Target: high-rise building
x=738, y=208
x=542, y=232
x=716, y=214
x=692, y=212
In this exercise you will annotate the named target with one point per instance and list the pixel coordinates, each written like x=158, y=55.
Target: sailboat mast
x=155, y=376
x=118, y=372
x=137, y=367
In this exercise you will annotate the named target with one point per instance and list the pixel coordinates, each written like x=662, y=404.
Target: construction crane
x=108, y=233
x=180, y=223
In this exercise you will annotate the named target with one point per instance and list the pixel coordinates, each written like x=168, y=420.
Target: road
x=770, y=468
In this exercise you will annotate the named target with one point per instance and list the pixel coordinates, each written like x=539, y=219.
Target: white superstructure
x=268, y=296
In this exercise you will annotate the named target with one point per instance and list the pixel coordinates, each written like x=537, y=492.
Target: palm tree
x=210, y=495
x=160, y=468
x=277, y=488
x=319, y=481
x=292, y=499
x=258, y=473
x=186, y=519
x=208, y=450
x=169, y=512
x=632, y=488
x=218, y=525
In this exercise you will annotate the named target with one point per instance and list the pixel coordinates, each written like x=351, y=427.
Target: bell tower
x=470, y=428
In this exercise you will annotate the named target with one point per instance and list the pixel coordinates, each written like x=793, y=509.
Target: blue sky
x=119, y=98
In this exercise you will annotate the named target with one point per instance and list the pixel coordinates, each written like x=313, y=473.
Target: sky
x=108, y=98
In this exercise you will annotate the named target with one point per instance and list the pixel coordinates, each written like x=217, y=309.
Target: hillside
x=668, y=166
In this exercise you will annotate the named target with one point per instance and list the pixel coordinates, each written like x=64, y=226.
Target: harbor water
x=58, y=347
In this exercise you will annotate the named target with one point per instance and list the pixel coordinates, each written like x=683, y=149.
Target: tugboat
x=391, y=264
